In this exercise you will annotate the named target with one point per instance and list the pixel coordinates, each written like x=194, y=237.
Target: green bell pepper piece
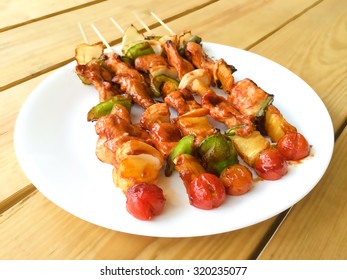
x=139, y=49
x=182, y=49
x=184, y=146
x=216, y=153
x=157, y=83
x=104, y=108
x=259, y=119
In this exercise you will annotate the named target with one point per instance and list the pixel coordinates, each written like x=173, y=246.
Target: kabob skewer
x=176, y=75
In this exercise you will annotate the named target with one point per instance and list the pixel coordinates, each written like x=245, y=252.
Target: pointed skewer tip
x=117, y=25
x=163, y=23
x=83, y=34
x=102, y=38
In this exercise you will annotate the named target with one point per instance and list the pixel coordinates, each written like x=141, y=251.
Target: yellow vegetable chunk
x=136, y=169
x=275, y=124
x=249, y=147
x=188, y=167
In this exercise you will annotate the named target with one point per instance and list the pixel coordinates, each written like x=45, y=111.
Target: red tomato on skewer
x=144, y=201
x=293, y=146
x=271, y=165
x=206, y=191
x=237, y=179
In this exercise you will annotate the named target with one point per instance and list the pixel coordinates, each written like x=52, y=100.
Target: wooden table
x=309, y=37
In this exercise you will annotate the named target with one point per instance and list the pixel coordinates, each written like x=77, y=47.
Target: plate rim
x=54, y=75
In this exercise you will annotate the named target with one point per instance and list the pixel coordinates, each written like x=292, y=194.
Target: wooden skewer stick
x=102, y=38
x=83, y=34
x=162, y=23
x=117, y=25
x=142, y=23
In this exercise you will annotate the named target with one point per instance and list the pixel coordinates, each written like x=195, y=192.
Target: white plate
x=55, y=146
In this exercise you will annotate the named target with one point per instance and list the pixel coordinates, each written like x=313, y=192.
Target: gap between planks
x=114, y=42
x=16, y=198
x=51, y=15
x=283, y=25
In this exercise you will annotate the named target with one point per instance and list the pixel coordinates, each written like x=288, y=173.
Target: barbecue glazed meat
x=247, y=97
x=100, y=78
x=220, y=71
x=114, y=130
x=164, y=133
x=182, y=101
x=181, y=65
x=146, y=62
x=221, y=110
x=130, y=81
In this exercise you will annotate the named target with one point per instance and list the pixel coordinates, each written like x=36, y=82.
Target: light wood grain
x=238, y=23
x=316, y=227
x=48, y=232
x=16, y=12
x=308, y=37
x=316, y=50
x=50, y=43
x=12, y=178
x=252, y=16
x=241, y=23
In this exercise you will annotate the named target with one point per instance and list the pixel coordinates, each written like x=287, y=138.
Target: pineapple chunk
x=249, y=147
x=188, y=167
x=136, y=169
x=275, y=124
x=136, y=162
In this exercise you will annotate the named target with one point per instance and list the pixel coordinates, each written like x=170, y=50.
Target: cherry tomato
x=293, y=146
x=270, y=165
x=237, y=179
x=145, y=200
x=206, y=191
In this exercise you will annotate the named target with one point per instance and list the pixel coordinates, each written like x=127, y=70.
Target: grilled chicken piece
x=247, y=97
x=221, y=72
x=182, y=101
x=181, y=65
x=100, y=78
x=165, y=135
x=156, y=113
x=114, y=130
x=197, y=123
x=198, y=57
x=221, y=110
x=130, y=81
x=146, y=62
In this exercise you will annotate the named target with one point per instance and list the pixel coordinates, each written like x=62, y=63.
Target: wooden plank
x=13, y=98
x=241, y=23
x=12, y=178
x=47, y=44
x=73, y=238
x=60, y=235
x=16, y=12
x=316, y=227
x=318, y=54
